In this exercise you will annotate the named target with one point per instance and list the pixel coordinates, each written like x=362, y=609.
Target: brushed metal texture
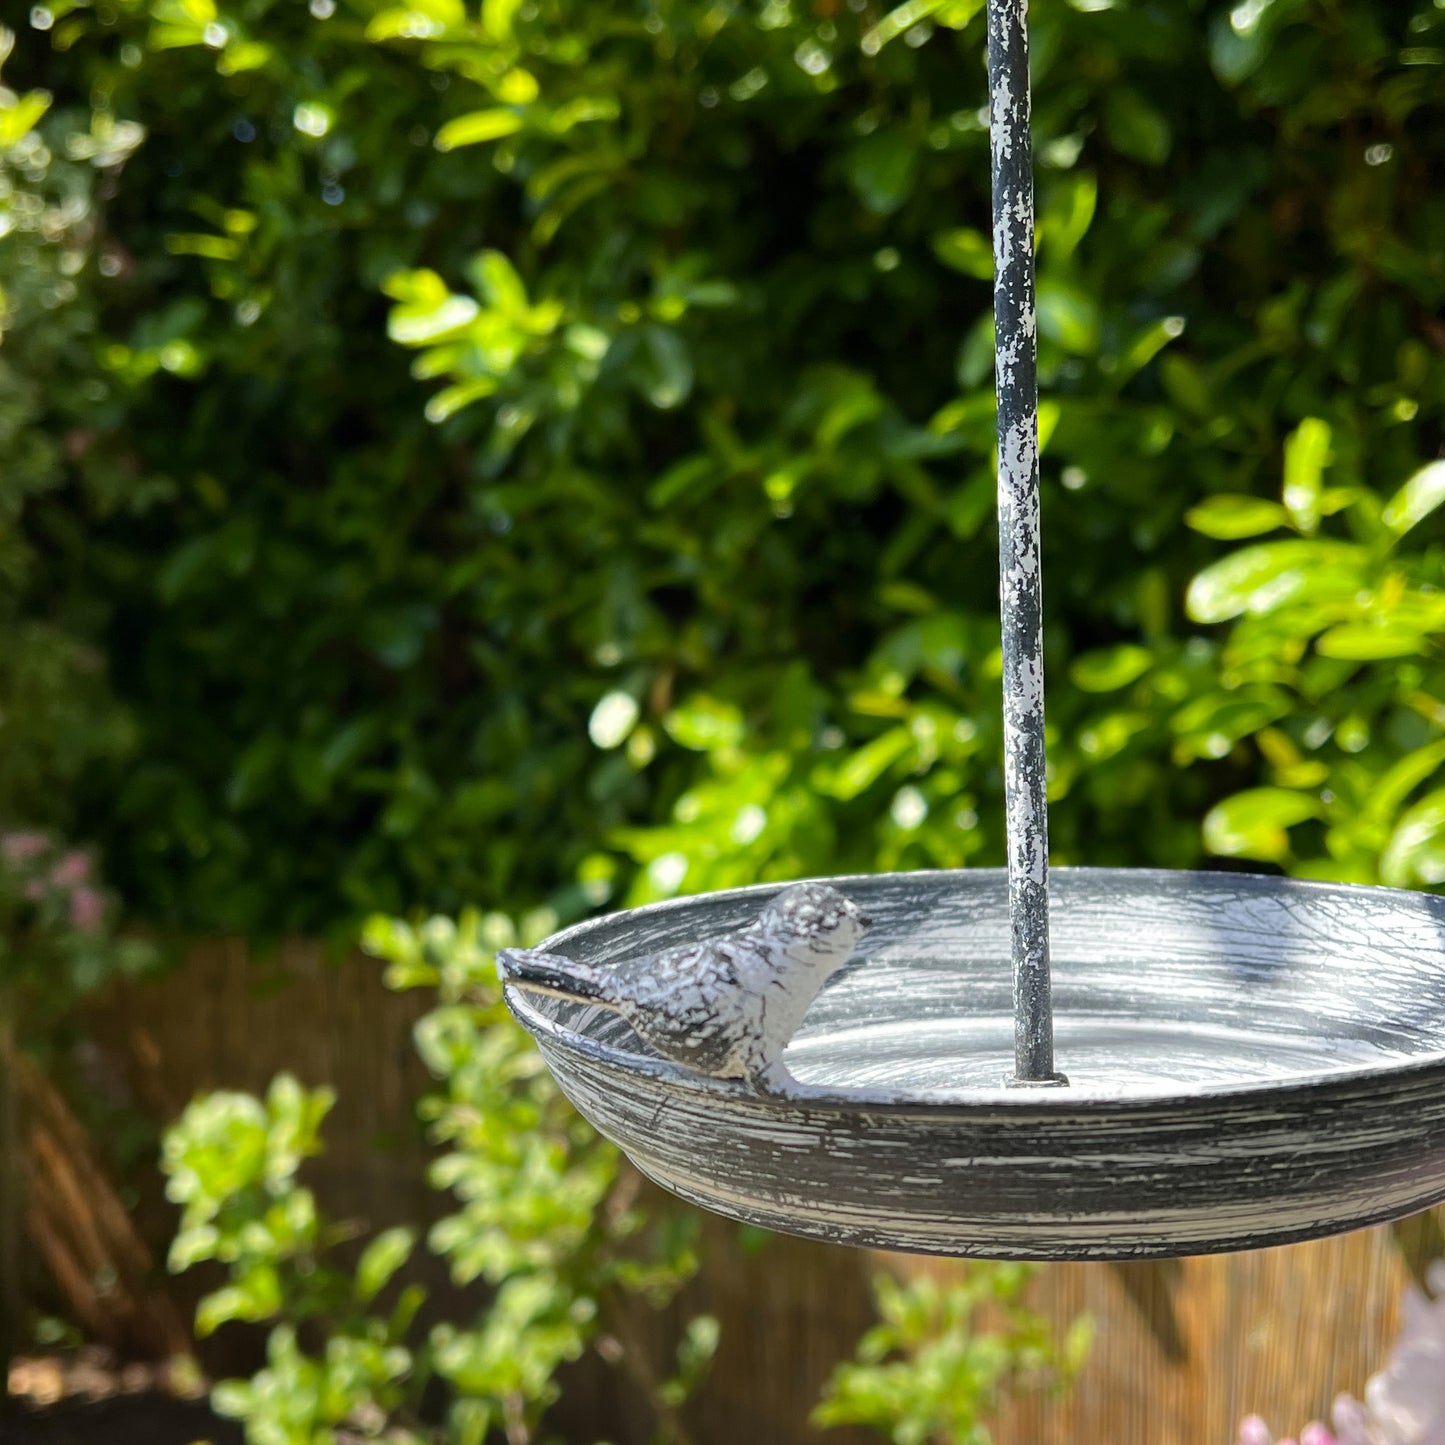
x=1251, y=1061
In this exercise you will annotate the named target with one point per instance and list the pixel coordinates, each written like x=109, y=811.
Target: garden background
x=523, y=460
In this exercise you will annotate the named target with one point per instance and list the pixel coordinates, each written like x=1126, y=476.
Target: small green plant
x=549, y=1219
x=931, y=1373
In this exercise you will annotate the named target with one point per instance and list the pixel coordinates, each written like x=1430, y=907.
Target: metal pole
x=1020, y=593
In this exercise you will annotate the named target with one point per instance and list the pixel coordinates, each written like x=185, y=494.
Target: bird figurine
x=726, y=1006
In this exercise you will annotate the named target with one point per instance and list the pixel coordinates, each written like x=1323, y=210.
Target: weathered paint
x=726, y=1006
x=1251, y=1060
x=1020, y=583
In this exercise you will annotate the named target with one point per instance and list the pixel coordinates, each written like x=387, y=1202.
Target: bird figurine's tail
x=555, y=976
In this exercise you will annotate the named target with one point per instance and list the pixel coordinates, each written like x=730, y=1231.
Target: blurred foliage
x=670, y=563
x=57, y=715
x=549, y=1218
x=930, y=1373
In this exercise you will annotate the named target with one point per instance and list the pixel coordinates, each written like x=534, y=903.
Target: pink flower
x=72, y=869
x=1254, y=1431
x=1351, y=1421
x=35, y=891
x=1405, y=1403
x=18, y=847
x=87, y=910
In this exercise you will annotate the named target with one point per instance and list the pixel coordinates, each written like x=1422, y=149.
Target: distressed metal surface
x=1251, y=1061
x=1020, y=580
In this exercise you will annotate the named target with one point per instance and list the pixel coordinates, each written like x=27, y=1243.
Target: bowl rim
x=1011, y=1102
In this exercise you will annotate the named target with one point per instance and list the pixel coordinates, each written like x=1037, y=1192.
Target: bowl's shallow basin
x=1250, y=1061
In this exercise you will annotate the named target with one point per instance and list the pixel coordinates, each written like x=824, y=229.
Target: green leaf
x=704, y=723
x=1369, y=641
x=1144, y=346
x=233, y=1399
x=1253, y=824
x=1263, y=578
x=497, y=17
x=1210, y=725
x=882, y=168
x=423, y=325
x=1066, y=214
x=381, y=1259
x=1229, y=517
x=1306, y=455
x=478, y=126
x=870, y=762
x=1416, y=500
x=953, y=13
x=581, y=111
x=1402, y=779
x=966, y=250
x=1415, y=854
x=664, y=367
x=452, y=399
x=20, y=114
x=497, y=282
x=1110, y=668
x=255, y=1296
x=1068, y=316
x=1135, y=127
x=419, y=20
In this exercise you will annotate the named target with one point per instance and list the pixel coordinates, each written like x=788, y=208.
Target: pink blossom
x=1405, y=1403
x=87, y=910
x=1351, y=1421
x=35, y=891
x=18, y=847
x=1254, y=1431
x=72, y=869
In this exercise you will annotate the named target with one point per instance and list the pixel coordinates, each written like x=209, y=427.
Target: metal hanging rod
x=1020, y=589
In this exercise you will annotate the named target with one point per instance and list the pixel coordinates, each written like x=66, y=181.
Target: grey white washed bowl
x=1251, y=1061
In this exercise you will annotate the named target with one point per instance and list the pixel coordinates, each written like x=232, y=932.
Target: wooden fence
x=1183, y=1348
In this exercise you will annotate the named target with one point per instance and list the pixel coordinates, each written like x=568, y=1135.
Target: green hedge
x=559, y=441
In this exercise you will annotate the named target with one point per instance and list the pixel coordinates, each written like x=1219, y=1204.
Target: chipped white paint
x=1251, y=1061
x=726, y=1007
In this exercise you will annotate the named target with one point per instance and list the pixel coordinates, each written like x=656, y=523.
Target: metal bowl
x=1251, y=1061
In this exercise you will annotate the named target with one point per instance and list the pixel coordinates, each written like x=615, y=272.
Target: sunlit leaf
x=1415, y=854
x=1367, y=641
x=1068, y=315
x=1264, y=577
x=1232, y=517
x=1416, y=500
x=870, y=762
x=478, y=126
x=381, y=1259
x=1306, y=455
x=1255, y=823
x=1110, y=668
x=966, y=250
x=704, y=723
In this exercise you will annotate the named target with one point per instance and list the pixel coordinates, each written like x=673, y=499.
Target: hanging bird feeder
x=1247, y=1061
